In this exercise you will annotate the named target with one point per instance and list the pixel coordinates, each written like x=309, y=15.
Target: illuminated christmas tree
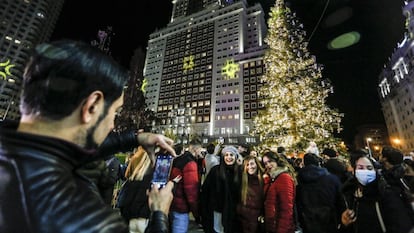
x=293, y=92
x=133, y=114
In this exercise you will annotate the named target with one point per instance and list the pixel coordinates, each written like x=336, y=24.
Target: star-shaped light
x=188, y=63
x=7, y=66
x=230, y=69
x=144, y=85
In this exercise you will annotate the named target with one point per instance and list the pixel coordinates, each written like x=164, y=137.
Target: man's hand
x=149, y=141
x=160, y=199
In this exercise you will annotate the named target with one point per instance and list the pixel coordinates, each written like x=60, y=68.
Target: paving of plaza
x=193, y=227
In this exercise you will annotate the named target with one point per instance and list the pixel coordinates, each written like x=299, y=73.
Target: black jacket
x=41, y=190
x=392, y=208
x=318, y=200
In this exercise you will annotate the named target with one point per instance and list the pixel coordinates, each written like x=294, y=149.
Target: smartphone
x=163, y=164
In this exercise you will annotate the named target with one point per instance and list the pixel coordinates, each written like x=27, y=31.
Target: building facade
x=203, y=70
x=372, y=137
x=396, y=88
x=23, y=24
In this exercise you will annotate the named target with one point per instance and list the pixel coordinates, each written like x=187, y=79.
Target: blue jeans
x=179, y=222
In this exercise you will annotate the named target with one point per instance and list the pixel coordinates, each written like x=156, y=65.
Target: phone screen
x=162, y=170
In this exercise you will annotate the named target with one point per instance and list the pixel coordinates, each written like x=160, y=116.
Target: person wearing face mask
x=369, y=203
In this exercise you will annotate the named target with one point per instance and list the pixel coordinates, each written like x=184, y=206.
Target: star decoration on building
x=188, y=63
x=7, y=66
x=144, y=85
x=230, y=69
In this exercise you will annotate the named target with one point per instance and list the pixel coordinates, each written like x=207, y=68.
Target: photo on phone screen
x=163, y=164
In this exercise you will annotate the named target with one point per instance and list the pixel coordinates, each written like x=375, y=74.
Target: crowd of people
x=235, y=189
x=57, y=166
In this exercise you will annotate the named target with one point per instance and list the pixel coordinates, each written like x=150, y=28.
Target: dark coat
x=134, y=202
x=117, y=142
x=42, y=191
x=402, y=198
x=220, y=194
x=389, y=202
x=249, y=213
x=318, y=198
x=105, y=176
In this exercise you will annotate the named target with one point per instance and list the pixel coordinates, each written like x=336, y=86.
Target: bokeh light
x=344, y=40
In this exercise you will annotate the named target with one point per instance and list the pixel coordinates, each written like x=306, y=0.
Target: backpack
x=314, y=217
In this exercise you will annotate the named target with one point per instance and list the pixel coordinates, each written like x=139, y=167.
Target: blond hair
x=138, y=165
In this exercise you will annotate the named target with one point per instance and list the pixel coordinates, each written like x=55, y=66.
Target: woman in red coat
x=279, y=191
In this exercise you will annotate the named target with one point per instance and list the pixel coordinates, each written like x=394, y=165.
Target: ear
x=92, y=106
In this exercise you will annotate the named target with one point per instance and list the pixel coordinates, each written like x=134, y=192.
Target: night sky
x=353, y=71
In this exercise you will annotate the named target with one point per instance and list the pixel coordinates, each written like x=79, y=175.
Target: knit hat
x=329, y=152
x=230, y=149
x=393, y=156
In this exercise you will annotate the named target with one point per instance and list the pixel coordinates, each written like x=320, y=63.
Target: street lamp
x=369, y=149
x=397, y=142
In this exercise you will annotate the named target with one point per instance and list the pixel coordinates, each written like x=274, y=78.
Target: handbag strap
x=380, y=219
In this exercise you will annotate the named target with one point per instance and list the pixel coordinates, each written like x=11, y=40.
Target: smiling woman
x=220, y=194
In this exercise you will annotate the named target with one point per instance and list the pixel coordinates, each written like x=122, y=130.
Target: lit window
x=40, y=15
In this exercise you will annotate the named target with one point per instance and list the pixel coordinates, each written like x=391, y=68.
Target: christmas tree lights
x=293, y=92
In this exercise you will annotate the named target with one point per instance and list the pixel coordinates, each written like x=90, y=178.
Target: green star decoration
x=188, y=63
x=144, y=85
x=7, y=66
x=230, y=69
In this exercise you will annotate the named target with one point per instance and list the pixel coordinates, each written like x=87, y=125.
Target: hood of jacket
x=311, y=173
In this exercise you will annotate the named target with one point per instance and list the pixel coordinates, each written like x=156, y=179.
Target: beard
x=90, y=142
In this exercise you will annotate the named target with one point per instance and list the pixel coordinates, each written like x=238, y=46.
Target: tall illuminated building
x=396, y=88
x=202, y=70
x=23, y=24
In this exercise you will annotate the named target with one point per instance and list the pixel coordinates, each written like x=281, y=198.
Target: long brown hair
x=281, y=162
x=245, y=177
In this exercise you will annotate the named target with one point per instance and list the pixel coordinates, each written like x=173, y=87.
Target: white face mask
x=365, y=177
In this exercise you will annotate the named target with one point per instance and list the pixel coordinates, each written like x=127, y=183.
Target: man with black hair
x=393, y=172
x=244, y=149
x=334, y=165
x=71, y=94
x=212, y=157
